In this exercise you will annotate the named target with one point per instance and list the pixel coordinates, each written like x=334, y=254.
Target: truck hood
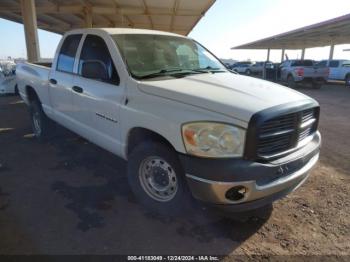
x=230, y=94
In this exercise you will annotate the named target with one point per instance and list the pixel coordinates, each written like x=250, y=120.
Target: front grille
x=285, y=132
x=304, y=134
x=308, y=114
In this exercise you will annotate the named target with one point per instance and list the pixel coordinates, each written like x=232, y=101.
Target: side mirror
x=94, y=69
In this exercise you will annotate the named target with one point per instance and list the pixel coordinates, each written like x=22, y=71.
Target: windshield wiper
x=171, y=72
x=209, y=69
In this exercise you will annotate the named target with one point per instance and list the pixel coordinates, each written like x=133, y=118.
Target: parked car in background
x=181, y=119
x=294, y=72
x=339, y=69
x=8, y=83
x=258, y=68
x=228, y=62
x=241, y=67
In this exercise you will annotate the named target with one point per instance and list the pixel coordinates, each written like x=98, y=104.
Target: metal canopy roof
x=59, y=16
x=331, y=32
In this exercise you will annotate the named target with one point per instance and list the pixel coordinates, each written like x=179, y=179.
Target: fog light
x=236, y=193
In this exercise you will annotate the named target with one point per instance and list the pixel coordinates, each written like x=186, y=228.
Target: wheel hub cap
x=36, y=124
x=158, y=179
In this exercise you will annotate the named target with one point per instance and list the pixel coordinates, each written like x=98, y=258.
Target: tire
x=157, y=179
x=316, y=85
x=347, y=81
x=41, y=124
x=16, y=91
x=290, y=82
x=248, y=72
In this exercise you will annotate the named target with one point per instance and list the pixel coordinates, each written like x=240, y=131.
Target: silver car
x=241, y=67
x=258, y=68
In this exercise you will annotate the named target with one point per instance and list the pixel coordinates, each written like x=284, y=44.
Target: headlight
x=208, y=139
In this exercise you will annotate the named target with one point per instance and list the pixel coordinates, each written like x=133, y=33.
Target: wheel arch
x=137, y=135
x=31, y=94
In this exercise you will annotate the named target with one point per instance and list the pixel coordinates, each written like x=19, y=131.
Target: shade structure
x=59, y=16
x=328, y=33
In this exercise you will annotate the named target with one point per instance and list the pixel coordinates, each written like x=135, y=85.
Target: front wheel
x=16, y=90
x=317, y=85
x=290, y=82
x=157, y=179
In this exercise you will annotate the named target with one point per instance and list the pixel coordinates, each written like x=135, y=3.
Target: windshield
x=158, y=55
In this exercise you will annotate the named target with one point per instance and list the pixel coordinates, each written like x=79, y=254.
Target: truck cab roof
x=122, y=31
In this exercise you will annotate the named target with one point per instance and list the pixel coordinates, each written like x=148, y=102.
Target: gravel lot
x=70, y=197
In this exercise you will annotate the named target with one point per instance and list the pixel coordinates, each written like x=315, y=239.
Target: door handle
x=77, y=89
x=53, y=81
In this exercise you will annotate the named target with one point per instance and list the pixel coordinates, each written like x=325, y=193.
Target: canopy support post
x=268, y=55
x=283, y=53
x=331, y=52
x=302, y=54
x=30, y=30
x=264, y=67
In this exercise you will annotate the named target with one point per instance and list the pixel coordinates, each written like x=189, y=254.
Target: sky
x=231, y=23
x=228, y=23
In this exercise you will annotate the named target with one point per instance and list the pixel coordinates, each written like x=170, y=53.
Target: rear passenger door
x=334, y=69
x=61, y=79
x=97, y=101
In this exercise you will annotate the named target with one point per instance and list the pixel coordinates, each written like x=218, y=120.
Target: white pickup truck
x=339, y=70
x=182, y=120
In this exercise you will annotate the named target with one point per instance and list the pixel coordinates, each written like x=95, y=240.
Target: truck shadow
x=107, y=202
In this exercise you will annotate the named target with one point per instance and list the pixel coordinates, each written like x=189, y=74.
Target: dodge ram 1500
x=182, y=120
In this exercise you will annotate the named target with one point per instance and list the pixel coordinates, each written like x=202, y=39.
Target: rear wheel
x=290, y=82
x=317, y=85
x=16, y=90
x=41, y=124
x=347, y=81
x=157, y=179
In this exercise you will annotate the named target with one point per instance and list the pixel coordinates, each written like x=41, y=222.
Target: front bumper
x=210, y=180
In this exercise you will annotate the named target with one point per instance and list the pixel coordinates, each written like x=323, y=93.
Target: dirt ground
x=68, y=196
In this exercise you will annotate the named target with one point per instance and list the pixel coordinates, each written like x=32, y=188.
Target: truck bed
x=35, y=76
x=315, y=72
x=44, y=64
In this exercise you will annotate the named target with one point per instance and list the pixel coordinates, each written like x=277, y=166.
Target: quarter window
x=66, y=57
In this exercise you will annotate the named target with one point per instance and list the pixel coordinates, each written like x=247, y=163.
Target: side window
x=287, y=64
x=322, y=63
x=333, y=63
x=65, y=61
x=95, y=53
x=346, y=63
